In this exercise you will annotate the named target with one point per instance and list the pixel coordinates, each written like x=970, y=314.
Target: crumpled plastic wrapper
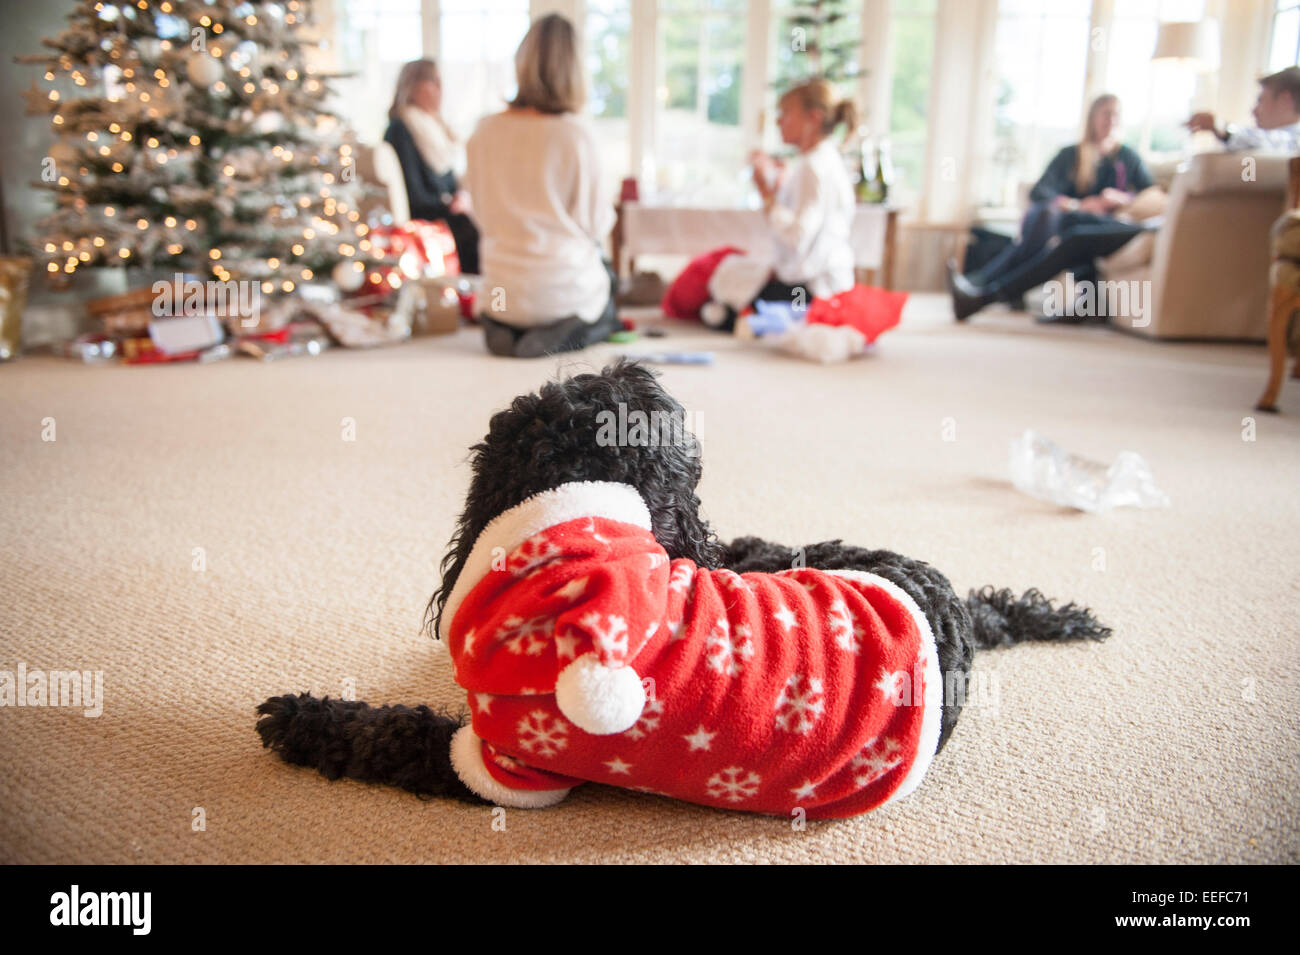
x=1043, y=469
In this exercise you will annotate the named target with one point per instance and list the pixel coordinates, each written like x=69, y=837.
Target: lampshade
x=1195, y=43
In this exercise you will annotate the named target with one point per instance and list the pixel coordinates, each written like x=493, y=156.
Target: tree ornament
x=348, y=275
x=204, y=71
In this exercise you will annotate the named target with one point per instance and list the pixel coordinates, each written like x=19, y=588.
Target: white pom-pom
x=599, y=699
x=713, y=314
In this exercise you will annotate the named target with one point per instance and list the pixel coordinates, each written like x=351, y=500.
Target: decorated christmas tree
x=823, y=42
x=192, y=136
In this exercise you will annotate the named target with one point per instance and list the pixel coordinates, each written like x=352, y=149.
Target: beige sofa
x=1208, y=262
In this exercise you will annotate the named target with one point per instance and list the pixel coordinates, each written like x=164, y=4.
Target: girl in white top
x=534, y=180
x=809, y=207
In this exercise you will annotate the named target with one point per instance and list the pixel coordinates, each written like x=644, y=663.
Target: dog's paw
x=277, y=716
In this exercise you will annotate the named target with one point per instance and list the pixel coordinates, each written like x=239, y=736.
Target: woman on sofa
x=534, y=176
x=1074, y=203
x=428, y=150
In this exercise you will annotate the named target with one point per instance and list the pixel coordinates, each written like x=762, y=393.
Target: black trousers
x=1079, y=243
x=465, y=232
x=567, y=334
x=1042, y=221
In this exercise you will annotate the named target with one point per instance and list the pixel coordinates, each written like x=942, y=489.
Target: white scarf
x=433, y=139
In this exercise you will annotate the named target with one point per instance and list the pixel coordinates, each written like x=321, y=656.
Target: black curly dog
x=548, y=439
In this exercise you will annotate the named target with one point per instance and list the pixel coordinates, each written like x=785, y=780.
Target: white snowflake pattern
x=573, y=589
x=541, y=734
x=566, y=645
x=506, y=762
x=893, y=684
x=532, y=554
x=875, y=759
x=657, y=560
x=591, y=531
x=727, y=652
x=649, y=721
x=785, y=617
x=843, y=627
x=681, y=577
x=800, y=704
x=734, y=784
x=611, y=637
x=527, y=637
x=732, y=580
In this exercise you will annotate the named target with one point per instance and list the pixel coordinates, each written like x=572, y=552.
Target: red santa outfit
x=588, y=655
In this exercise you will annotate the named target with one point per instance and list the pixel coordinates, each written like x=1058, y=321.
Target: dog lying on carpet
x=602, y=633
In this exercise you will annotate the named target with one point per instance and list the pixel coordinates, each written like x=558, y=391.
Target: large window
x=1155, y=97
x=1285, y=49
x=699, y=146
x=374, y=38
x=912, y=25
x=1041, y=59
x=608, y=48
x=679, y=90
x=816, y=39
x=479, y=39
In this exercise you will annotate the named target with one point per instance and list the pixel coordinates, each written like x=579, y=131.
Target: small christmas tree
x=824, y=42
x=192, y=136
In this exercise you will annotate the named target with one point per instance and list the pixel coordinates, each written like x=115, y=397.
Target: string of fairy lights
x=192, y=135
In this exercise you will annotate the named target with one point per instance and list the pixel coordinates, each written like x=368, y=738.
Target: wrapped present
x=14, y=274
x=124, y=316
x=420, y=248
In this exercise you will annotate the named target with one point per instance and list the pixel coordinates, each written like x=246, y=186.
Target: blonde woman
x=809, y=205
x=534, y=178
x=1075, y=201
x=429, y=154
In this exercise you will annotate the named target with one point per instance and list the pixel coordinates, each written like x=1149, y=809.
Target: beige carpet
x=1174, y=742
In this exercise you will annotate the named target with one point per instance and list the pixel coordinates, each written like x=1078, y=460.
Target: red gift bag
x=870, y=310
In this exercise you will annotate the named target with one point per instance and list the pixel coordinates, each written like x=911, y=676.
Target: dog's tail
x=406, y=746
x=1000, y=619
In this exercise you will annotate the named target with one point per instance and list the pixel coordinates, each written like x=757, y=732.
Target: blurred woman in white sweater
x=534, y=180
x=809, y=206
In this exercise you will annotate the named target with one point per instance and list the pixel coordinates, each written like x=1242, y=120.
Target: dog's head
x=619, y=425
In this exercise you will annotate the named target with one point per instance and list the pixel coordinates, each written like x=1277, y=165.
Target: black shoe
x=1071, y=320
x=967, y=298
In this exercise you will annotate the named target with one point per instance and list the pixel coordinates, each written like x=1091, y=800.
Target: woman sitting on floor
x=429, y=154
x=809, y=207
x=1071, y=222
x=534, y=178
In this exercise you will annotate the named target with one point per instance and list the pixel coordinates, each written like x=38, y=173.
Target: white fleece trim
x=467, y=760
x=509, y=529
x=932, y=705
x=738, y=279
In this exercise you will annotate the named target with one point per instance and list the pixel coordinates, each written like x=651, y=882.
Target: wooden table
x=679, y=230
